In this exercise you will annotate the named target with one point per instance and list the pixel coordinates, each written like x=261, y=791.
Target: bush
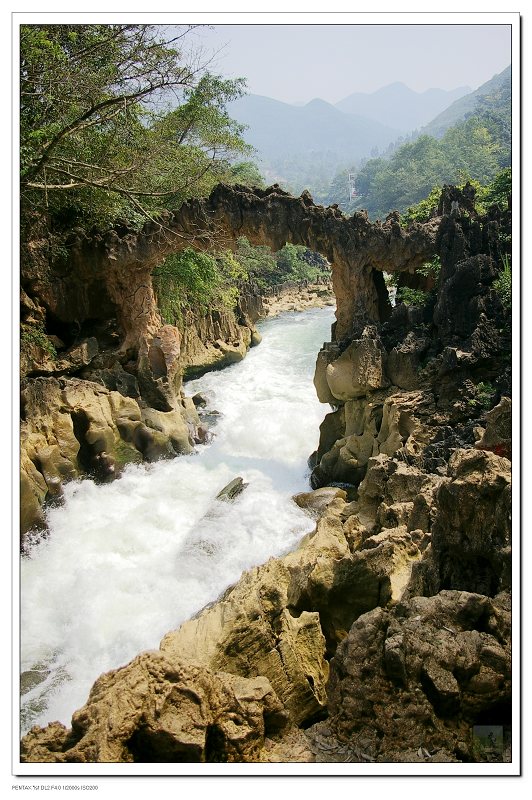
x=34, y=334
x=411, y=297
x=503, y=284
x=196, y=281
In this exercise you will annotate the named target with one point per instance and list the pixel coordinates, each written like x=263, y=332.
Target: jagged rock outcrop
x=471, y=527
x=72, y=426
x=421, y=675
x=154, y=710
x=447, y=357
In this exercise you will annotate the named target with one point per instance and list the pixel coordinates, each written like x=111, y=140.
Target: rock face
x=74, y=426
x=421, y=675
x=447, y=358
x=471, y=531
x=154, y=710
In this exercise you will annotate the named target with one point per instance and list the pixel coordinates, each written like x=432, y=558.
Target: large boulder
x=422, y=675
x=156, y=710
x=359, y=370
x=159, y=369
x=251, y=632
x=386, y=423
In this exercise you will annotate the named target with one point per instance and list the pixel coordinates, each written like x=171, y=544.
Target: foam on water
x=128, y=561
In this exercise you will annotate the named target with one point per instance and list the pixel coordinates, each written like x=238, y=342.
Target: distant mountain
x=467, y=105
x=303, y=145
x=400, y=107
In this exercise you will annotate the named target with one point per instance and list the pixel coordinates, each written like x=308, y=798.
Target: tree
x=246, y=173
x=120, y=120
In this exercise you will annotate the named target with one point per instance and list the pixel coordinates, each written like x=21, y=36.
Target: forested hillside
x=476, y=148
x=498, y=87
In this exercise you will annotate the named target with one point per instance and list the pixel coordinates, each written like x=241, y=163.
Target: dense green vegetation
x=118, y=121
x=477, y=148
x=503, y=284
x=497, y=192
x=197, y=281
x=494, y=193
x=291, y=263
x=192, y=280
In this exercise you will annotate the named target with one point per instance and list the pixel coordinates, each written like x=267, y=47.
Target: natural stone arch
x=115, y=267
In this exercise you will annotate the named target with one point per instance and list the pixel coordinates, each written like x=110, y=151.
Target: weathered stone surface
x=213, y=341
x=497, y=435
x=317, y=501
x=403, y=361
x=250, y=632
x=154, y=710
x=75, y=426
x=326, y=356
x=422, y=674
x=343, y=576
x=386, y=423
x=293, y=296
x=159, y=368
x=359, y=370
x=471, y=532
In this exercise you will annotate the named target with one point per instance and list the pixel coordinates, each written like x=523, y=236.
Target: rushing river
x=128, y=561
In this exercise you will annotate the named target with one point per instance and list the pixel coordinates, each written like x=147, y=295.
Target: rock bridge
x=109, y=274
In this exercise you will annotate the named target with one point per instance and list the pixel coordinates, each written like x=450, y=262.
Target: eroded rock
x=422, y=674
x=156, y=710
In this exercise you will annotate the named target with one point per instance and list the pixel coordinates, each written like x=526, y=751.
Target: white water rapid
x=128, y=561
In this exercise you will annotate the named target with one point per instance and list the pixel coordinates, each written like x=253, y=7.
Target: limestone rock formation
x=282, y=619
x=251, y=631
x=110, y=274
x=154, y=710
x=74, y=426
x=359, y=369
x=450, y=355
x=392, y=618
x=421, y=675
x=471, y=530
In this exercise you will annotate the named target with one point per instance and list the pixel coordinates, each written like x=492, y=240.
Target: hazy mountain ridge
x=308, y=146
x=467, y=105
x=401, y=107
x=279, y=130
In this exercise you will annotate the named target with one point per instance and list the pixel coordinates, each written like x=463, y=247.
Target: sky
x=295, y=63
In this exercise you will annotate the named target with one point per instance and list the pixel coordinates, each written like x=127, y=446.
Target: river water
x=128, y=561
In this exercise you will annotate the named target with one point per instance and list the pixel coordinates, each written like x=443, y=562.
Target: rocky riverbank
x=386, y=635
x=301, y=298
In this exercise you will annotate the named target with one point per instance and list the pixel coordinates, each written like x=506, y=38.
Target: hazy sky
x=299, y=62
